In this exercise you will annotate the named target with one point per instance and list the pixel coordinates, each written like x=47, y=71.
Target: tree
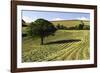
x=61, y=27
x=24, y=25
x=81, y=25
x=42, y=28
x=58, y=26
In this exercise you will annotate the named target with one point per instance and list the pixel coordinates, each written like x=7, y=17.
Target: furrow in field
x=61, y=45
x=66, y=49
x=81, y=54
x=71, y=56
x=34, y=52
x=78, y=55
x=70, y=53
x=43, y=51
x=86, y=53
x=63, y=57
x=59, y=53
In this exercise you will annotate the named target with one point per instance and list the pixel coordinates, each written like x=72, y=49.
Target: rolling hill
x=70, y=23
x=66, y=23
x=65, y=45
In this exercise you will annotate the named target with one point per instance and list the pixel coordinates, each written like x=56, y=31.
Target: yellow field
x=70, y=23
x=65, y=45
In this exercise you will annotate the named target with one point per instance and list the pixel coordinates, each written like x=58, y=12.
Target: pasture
x=64, y=45
x=70, y=23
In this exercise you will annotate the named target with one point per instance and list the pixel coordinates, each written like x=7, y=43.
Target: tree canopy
x=42, y=28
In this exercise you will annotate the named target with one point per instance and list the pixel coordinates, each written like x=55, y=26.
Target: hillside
x=70, y=23
x=67, y=23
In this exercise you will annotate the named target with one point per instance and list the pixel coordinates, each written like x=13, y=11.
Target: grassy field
x=70, y=23
x=67, y=23
x=65, y=45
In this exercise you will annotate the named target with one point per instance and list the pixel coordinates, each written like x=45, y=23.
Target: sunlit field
x=64, y=45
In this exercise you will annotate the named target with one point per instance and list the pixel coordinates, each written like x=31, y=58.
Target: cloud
x=82, y=18
x=55, y=19
x=27, y=19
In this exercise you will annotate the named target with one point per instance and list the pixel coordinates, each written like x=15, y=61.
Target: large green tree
x=42, y=28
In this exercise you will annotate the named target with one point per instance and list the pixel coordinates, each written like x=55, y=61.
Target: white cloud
x=57, y=19
x=27, y=19
x=82, y=18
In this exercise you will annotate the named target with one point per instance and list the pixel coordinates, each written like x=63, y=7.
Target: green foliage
x=80, y=26
x=42, y=28
x=62, y=25
x=59, y=26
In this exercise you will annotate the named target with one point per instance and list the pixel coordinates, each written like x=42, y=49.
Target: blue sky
x=30, y=16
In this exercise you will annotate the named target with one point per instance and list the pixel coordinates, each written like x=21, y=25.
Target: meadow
x=70, y=23
x=64, y=45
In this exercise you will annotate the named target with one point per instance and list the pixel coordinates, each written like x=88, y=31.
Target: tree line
x=81, y=26
x=43, y=28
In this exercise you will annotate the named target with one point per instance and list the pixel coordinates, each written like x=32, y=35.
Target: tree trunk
x=42, y=41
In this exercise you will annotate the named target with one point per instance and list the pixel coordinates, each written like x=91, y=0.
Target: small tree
x=58, y=26
x=42, y=28
x=81, y=25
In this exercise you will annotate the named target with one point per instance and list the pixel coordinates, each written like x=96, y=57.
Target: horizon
x=31, y=16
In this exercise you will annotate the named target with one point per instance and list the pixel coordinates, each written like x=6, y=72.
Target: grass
x=70, y=23
x=65, y=45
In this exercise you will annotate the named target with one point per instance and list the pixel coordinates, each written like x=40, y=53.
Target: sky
x=31, y=16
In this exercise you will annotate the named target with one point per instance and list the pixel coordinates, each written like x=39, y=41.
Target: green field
x=70, y=23
x=67, y=23
x=64, y=45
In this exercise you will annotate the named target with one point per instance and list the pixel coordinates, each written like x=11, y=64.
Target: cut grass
x=32, y=51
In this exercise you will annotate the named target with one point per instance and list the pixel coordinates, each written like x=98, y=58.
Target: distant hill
x=70, y=23
x=66, y=23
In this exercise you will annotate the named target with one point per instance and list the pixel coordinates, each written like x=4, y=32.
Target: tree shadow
x=63, y=41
